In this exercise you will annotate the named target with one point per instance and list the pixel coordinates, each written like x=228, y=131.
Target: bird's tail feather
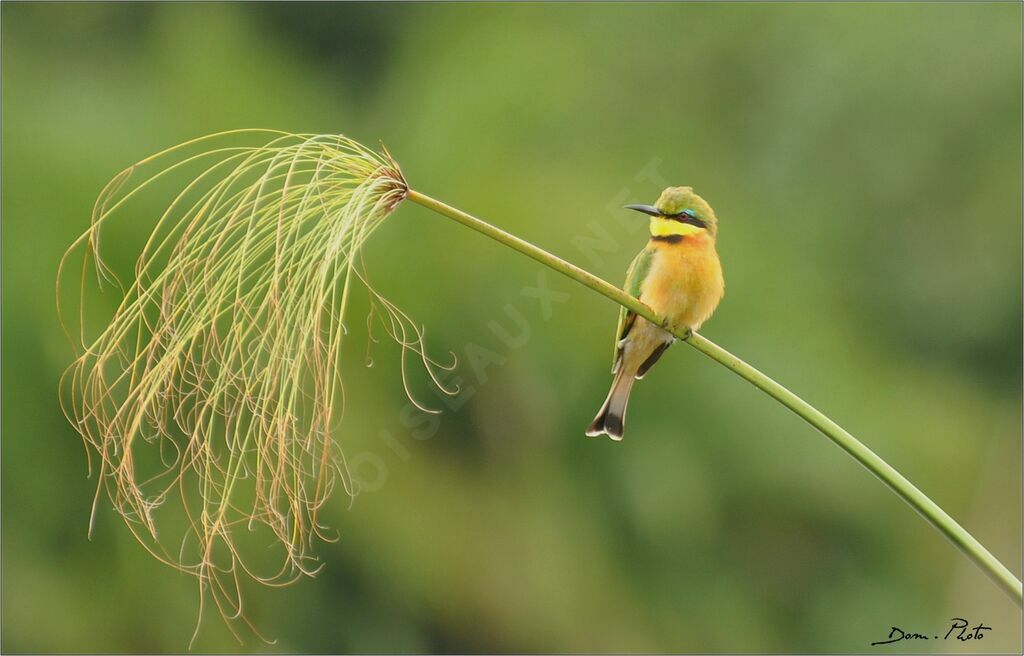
x=611, y=418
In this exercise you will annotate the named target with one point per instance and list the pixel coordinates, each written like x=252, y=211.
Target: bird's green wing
x=635, y=276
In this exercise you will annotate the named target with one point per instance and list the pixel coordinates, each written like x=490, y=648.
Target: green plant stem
x=906, y=490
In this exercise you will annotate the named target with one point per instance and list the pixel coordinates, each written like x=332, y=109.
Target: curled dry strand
x=218, y=380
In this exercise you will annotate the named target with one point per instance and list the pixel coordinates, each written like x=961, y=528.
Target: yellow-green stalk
x=218, y=381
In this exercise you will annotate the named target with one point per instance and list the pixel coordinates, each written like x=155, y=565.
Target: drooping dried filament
x=218, y=380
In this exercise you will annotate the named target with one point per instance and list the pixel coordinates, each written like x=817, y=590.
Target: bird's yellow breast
x=685, y=282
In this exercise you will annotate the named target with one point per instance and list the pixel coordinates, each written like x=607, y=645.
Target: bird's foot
x=668, y=326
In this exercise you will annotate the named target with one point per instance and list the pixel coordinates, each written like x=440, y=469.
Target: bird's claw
x=667, y=326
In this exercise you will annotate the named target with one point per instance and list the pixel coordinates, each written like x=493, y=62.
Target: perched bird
x=677, y=275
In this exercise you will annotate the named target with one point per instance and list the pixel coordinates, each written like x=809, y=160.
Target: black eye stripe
x=687, y=217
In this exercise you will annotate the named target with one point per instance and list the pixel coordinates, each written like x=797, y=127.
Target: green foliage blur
x=865, y=163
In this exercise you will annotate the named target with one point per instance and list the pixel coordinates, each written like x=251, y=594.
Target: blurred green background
x=865, y=163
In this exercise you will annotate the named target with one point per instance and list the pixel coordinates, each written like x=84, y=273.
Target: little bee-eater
x=677, y=275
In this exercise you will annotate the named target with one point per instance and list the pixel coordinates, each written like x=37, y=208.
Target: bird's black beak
x=646, y=209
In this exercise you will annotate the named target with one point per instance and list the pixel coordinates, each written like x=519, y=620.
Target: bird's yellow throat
x=662, y=227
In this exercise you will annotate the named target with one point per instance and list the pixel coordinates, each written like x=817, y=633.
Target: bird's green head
x=679, y=212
